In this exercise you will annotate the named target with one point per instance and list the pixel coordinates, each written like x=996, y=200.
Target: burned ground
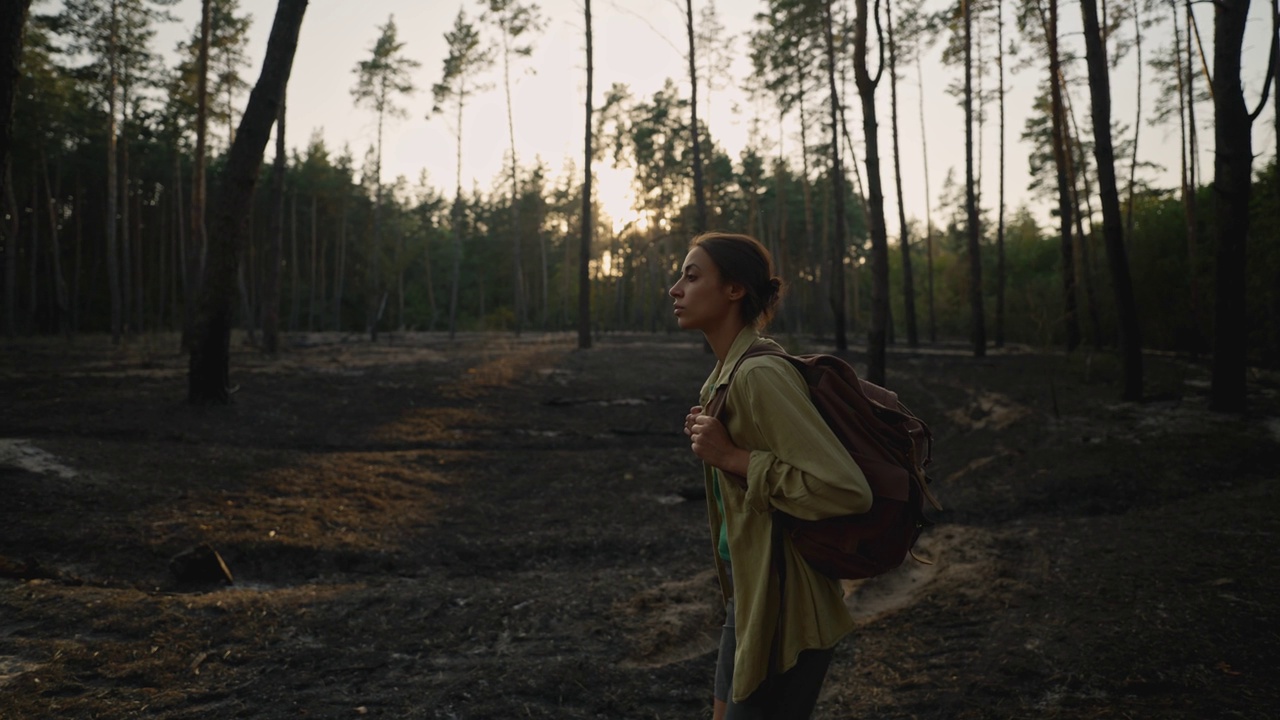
x=500, y=527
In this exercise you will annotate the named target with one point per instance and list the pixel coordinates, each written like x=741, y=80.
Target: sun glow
x=616, y=197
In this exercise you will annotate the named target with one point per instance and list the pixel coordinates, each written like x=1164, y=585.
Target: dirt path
x=498, y=527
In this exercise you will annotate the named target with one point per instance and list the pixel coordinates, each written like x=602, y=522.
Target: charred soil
x=502, y=527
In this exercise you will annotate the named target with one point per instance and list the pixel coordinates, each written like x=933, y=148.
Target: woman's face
x=702, y=300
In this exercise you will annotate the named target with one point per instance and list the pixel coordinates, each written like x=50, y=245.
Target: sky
x=641, y=43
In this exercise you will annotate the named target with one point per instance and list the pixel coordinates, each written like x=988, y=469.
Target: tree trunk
x=1232, y=178
x=837, y=246
x=79, y=255
x=198, y=248
x=33, y=284
x=1000, y=265
x=1191, y=196
x=55, y=253
x=699, y=195
x=113, y=256
x=1112, y=228
x=517, y=263
x=584, y=251
x=208, y=379
x=340, y=268
x=876, y=333
x=457, y=232
x=978, y=333
x=275, y=243
x=13, y=21
x=11, y=258
x=1076, y=173
x=1137, y=125
x=928, y=206
x=126, y=236
x=311, y=283
x=904, y=238
x=295, y=282
x=375, y=277
x=1071, y=321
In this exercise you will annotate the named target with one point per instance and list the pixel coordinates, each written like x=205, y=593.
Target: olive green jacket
x=797, y=466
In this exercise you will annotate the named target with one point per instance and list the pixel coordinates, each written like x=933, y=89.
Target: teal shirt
x=724, y=521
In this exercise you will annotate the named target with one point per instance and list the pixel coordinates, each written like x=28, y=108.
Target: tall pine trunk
x=928, y=205
x=837, y=237
x=1071, y=321
x=55, y=254
x=1191, y=193
x=13, y=22
x=113, y=253
x=1000, y=260
x=699, y=195
x=978, y=329
x=904, y=237
x=198, y=248
x=208, y=378
x=1232, y=184
x=584, y=247
x=1112, y=228
x=275, y=243
x=877, y=332
x=517, y=262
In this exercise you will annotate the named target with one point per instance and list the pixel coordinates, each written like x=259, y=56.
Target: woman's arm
x=796, y=463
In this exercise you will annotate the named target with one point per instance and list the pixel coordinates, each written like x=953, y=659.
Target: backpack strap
x=715, y=407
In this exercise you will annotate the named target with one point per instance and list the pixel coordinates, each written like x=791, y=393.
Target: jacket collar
x=720, y=375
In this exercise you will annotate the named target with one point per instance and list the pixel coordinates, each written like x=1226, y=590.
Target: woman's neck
x=721, y=337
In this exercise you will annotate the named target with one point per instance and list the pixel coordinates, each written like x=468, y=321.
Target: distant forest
x=114, y=158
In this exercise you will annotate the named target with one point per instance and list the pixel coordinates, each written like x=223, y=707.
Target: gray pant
x=789, y=696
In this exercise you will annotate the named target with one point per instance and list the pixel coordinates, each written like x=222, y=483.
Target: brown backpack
x=891, y=446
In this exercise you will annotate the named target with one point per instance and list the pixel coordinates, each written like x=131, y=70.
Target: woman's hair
x=744, y=260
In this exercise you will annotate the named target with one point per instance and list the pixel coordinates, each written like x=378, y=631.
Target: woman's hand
x=694, y=412
x=711, y=443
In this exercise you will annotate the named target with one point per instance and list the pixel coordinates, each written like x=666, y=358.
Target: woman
x=772, y=662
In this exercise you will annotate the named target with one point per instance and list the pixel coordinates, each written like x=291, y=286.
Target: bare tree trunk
x=904, y=237
x=1137, y=125
x=33, y=284
x=1191, y=197
x=699, y=195
x=275, y=242
x=340, y=269
x=126, y=235
x=928, y=205
x=457, y=232
x=13, y=21
x=584, y=252
x=197, y=251
x=838, y=242
x=11, y=258
x=978, y=332
x=295, y=281
x=1000, y=264
x=1070, y=320
x=1078, y=175
x=55, y=253
x=1232, y=184
x=79, y=254
x=113, y=256
x=311, y=283
x=1112, y=229
x=876, y=333
x=210, y=350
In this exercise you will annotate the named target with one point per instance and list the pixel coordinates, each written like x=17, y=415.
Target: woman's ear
x=736, y=291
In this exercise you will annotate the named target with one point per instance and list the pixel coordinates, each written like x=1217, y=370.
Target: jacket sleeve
x=797, y=464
